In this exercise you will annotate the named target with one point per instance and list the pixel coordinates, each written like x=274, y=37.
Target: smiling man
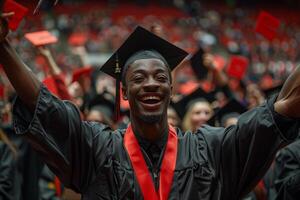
x=149, y=160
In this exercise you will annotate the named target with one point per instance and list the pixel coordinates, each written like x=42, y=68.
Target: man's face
x=148, y=89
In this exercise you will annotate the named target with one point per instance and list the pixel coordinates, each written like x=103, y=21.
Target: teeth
x=151, y=98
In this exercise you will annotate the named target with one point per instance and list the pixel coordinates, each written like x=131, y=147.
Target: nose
x=151, y=85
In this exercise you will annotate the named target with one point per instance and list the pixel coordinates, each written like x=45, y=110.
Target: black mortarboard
x=106, y=106
x=197, y=64
x=198, y=95
x=141, y=40
x=232, y=109
x=272, y=91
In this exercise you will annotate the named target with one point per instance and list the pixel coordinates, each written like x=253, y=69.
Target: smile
x=151, y=102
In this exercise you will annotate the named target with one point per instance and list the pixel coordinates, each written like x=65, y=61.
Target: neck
x=149, y=131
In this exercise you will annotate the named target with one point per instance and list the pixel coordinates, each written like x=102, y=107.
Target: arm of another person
x=53, y=127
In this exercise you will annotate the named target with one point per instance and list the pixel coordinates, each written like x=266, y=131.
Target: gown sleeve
x=7, y=173
x=287, y=167
x=64, y=142
x=242, y=153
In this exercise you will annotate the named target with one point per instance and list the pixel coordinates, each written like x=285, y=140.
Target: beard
x=151, y=119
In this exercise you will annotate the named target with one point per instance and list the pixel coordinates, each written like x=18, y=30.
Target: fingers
x=7, y=15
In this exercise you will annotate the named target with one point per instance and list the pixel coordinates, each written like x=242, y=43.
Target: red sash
x=141, y=170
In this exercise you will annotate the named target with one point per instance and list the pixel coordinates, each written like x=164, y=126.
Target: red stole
x=141, y=170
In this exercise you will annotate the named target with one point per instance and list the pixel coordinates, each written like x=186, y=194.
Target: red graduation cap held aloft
x=237, y=66
x=84, y=71
x=267, y=25
x=41, y=38
x=19, y=13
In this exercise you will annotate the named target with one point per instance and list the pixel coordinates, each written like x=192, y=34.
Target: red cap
x=267, y=25
x=49, y=82
x=19, y=10
x=41, y=38
x=77, y=73
x=237, y=66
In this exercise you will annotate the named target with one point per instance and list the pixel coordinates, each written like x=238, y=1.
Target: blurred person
x=254, y=96
x=173, y=118
x=198, y=113
x=91, y=158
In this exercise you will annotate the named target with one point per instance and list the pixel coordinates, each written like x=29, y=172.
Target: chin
x=151, y=118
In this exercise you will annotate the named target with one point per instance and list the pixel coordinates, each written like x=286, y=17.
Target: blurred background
x=88, y=32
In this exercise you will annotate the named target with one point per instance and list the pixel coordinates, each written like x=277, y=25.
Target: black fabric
x=287, y=168
x=29, y=167
x=213, y=163
x=8, y=170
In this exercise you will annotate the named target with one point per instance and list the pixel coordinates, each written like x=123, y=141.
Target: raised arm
x=21, y=77
x=54, y=127
x=288, y=101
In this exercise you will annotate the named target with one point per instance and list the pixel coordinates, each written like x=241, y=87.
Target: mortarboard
x=140, y=39
x=199, y=94
x=41, y=38
x=232, y=109
x=19, y=13
x=272, y=91
x=84, y=71
x=104, y=105
x=49, y=82
x=237, y=66
x=197, y=64
x=267, y=25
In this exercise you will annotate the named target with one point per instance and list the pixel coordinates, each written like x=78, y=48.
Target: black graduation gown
x=287, y=167
x=29, y=167
x=214, y=163
x=8, y=171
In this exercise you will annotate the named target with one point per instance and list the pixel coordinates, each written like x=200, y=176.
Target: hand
x=4, y=25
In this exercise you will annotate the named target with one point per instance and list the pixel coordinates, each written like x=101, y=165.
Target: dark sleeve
x=287, y=166
x=7, y=172
x=65, y=143
x=244, y=152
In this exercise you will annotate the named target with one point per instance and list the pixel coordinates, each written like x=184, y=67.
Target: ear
x=172, y=92
x=124, y=93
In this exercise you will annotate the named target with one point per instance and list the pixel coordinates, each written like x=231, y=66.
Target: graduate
x=149, y=159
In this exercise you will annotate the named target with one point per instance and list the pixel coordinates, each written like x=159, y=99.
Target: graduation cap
x=199, y=94
x=19, y=13
x=272, y=91
x=140, y=44
x=84, y=71
x=41, y=38
x=237, y=66
x=232, y=109
x=49, y=82
x=267, y=25
x=104, y=105
x=197, y=64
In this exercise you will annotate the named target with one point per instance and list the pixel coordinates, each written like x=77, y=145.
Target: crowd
x=71, y=72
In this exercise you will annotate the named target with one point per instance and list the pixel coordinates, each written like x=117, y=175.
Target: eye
x=162, y=78
x=138, y=79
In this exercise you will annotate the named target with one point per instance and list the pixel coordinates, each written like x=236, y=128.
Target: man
x=149, y=160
